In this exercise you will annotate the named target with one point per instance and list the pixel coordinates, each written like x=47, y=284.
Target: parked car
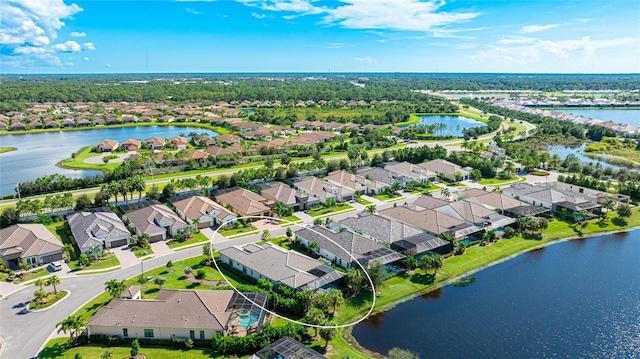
x=55, y=266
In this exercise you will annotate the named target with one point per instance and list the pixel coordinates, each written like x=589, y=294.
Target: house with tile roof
x=323, y=190
x=179, y=142
x=107, y=145
x=203, y=210
x=156, y=220
x=94, y=228
x=131, y=145
x=280, y=192
x=245, y=202
x=29, y=243
x=155, y=143
x=355, y=183
x=432, y=222
x=186, y=314
x=280, y=266
x=449, y=170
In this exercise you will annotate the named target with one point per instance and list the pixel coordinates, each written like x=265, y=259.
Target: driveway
x=160, y=249
x=213, y=235
x=125, y=256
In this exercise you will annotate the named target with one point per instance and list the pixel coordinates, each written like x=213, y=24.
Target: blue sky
x=537, y=36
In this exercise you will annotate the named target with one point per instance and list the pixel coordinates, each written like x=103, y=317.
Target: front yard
x=388, y=197
x=108, y=261
x=34, y=274
x=237, y=231
x=322, y=210
x=196, y=239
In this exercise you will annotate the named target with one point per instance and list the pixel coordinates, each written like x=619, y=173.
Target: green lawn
x=324, y=211
x=59, y=230
x=7, y=149
x=79, y=164
x=498, y=182
x=55, y=349
x=110, y=260
x=143, y=252
x=197, y=238
x=363, y=201
x=235, y=231
x=423, y=189
x=293, y=219
x=388, y=197
x=49, y=301
x=36, y=273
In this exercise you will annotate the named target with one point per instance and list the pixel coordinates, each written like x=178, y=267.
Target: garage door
x=155, y=238
x=119, y=243
x=52, y=258
x=204, y=225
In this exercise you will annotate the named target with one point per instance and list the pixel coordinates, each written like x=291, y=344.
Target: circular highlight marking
x=373, y=289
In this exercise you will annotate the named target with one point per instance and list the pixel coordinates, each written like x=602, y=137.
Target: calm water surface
x=631, y=117
x=38, y=153
x=575, y=299
x=452, y=122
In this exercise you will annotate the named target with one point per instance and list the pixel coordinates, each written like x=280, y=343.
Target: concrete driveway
x=125, y=256
x=160, y=249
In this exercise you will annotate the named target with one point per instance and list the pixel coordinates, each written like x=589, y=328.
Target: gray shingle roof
x=148, y=219
x=94, y=228
x=380, y=228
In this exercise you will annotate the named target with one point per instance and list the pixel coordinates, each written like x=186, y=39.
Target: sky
x=505, y=36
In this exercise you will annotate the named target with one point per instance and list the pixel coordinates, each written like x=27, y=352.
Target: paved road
x=24, y=334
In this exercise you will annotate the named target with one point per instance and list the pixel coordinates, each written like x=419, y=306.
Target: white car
x=55, y=266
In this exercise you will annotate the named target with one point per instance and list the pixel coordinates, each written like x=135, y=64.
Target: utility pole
x=141, y=271
x=18, y=189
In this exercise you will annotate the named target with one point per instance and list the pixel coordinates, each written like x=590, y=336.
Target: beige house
x=131, y=145
x=156, y=220
x=180, y=142
x=245, y=202
x=187, y=314
x=29, y=243
x=202, y=209
x=107, y=145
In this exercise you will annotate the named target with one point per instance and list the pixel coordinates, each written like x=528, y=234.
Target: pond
x=38, y=153
x=574, y=299
x=455, y=124
x=631, y=117
x=578, y=151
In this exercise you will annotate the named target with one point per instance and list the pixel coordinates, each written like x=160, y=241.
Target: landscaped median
x=49, y=301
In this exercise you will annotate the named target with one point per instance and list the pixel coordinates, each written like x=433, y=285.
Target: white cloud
x=88, y=46
x=28, y=27
x=513, y=40
x=107, y=65
x=338, y=45
x=194, y=0
x=77, y=34
x=397, y=15
x=86, y=59
x=536, y=28
x=68, y=46
x=367, y=60
x=193, y=11
x=258, y=16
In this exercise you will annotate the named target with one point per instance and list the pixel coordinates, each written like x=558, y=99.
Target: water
x=578, y=151
x=631, y=117
x=452, y=122
x=38, y=153
x=246, y=320
x=477, y=94
x=575, y=299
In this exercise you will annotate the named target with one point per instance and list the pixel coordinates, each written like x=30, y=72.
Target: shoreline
x=7, y=149
x=352, y=342
x=217, y=129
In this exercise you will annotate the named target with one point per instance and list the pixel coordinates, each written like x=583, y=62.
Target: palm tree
x=266, y=235
x=72, y=324
x=40, y=294
x=426, y=264
x=371, y=208
x=40, y=282
x=138, y=184
x=114, y=287
x=314, y=247
x=582, y=214
x=445, y=192
x=315, y=316
x=306, y=299
x=436, y=263
x=53, y=281
x=328, y=332
x=281, y=209
x=335, y=298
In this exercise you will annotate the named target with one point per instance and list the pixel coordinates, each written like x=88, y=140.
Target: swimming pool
x=246, y=319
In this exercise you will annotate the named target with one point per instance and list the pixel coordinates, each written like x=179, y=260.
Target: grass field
x=55, y=349
x=325, y=211
x=78, y=163
x=197, y=238
x=7, y=149
x=143, y=252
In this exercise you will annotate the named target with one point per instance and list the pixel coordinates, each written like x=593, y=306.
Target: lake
x=631, y=117
x=578, y=151
x=574, y=299
x=452, y=122
x=38, y=153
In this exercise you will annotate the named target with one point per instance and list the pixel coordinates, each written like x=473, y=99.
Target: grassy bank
x=7, y=149
x=220, y=130
x=405, y=287
x=78, y=162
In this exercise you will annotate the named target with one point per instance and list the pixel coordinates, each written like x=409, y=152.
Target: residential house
x=428, y=202
x=554, y=199
x=432, y=222
x=217, y=151
x=179, y=142
x=131, y=145
x=323, y=190
x=228, y=138
x=203, y=210
x=157, y=221
x=354, y=183
x=107, y=145
x=471, y=210
x=132, y=292
x=29, y=243
x=245, y=202
x=449, y=170
x=400, y=236
x=97, y=228
x=280, y=192
x=280, y=266
x=155, y=143
x=405, y=172
x=503, y=204
x=345, y=248
x=185, y=314
x=205, y=141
